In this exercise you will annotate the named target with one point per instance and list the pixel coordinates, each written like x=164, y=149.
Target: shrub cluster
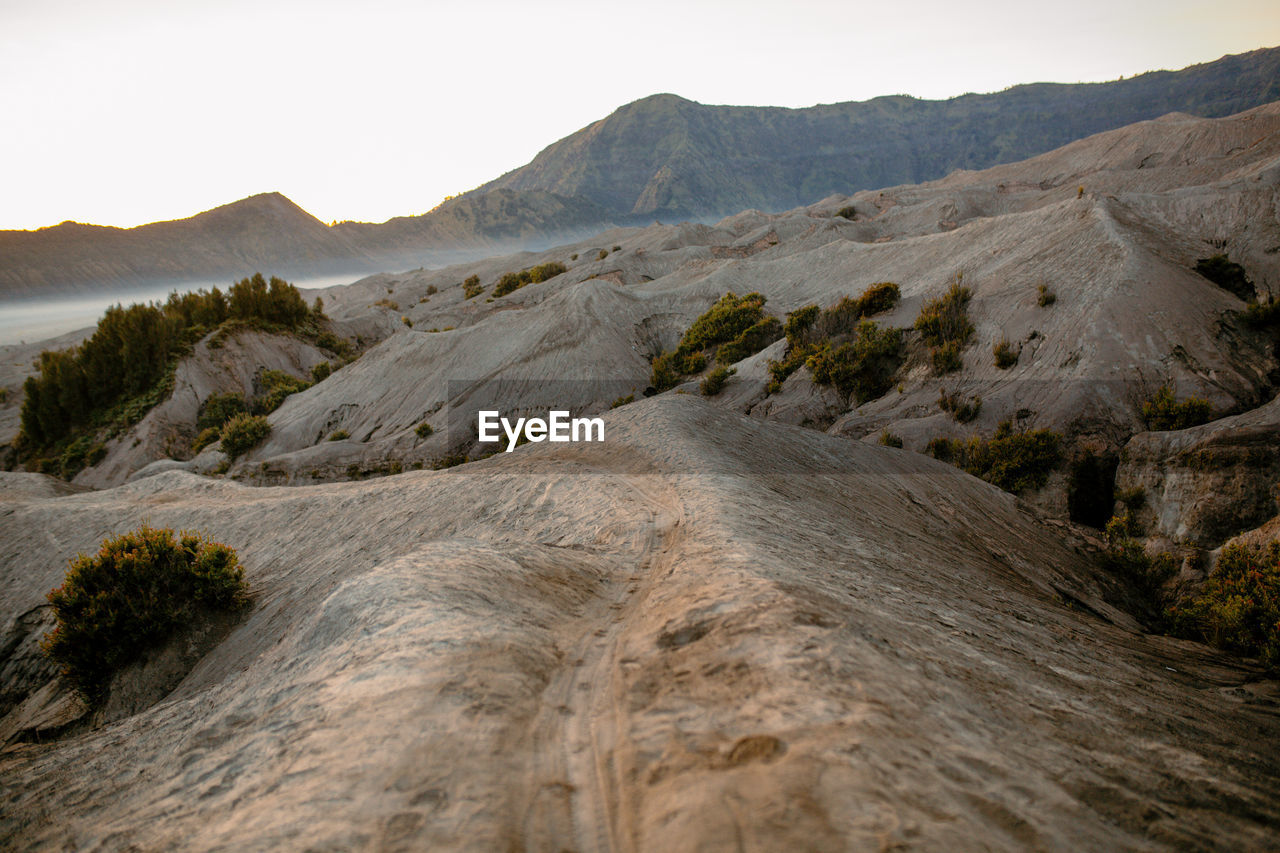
x=132, y=595
x=423, y=430
x=822, y=333
x=713, y=382
x=863, y=366
x=1015, y=462
x=1238, y=608
x=1045, y=297
x=1164, y=412
x=953, y=404
x=126, y=366
x=472, y=287
x=944, y=324
x=1006, y=356
x=533, y=275
x=242, y=433
x=889, y=439
x=1228, y=275
x=733, y=328
x=1125, y=557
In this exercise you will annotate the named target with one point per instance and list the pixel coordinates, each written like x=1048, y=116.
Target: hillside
x=668, y=158
x=270, y=232
x=715, y=633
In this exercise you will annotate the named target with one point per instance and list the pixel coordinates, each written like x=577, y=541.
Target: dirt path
x=578, y=776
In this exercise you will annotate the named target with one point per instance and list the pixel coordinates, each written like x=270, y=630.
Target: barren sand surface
x=708, y=633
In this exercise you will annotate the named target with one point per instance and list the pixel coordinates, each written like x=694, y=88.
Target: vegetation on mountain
x=955, y=405
x=126, y=366
x=944, y=324
x=1238, y=608
x=1014, y=461
x=243, y=433
x=839, y=348
x=1005, y=354
x=736, y=324
x=1164, y=412
x=136, y=592
x=533, y=275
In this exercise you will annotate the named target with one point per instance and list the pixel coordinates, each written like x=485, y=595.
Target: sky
x=135, y=111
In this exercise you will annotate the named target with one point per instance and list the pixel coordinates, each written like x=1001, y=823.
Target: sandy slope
x=708, y=633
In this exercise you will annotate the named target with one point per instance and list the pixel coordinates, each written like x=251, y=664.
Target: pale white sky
x=133, y=111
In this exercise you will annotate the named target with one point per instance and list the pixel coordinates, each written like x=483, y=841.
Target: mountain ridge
x=660, y=157
x=669, y=157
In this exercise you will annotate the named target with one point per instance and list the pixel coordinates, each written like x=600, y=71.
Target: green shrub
x=946, y=358
x=1045, y=297
x=334, y=344
x=954, y=405
x=339, y=435
x=533, y=275
x=889, y=439
x=277, y=386
x=818, y=337
x=738, y=323
x=133, y=595
x=944, y=325
x=604, y=253
x=622, y=401
x=423, y=430
x=862, y=367
x=713, y=382
x=220, y=408
x=1164, y=412
x=1228, y=275
x=206, y=437
x=1125, y=557
x=751, y=341
x=242, y=433
x=878, y=298
x=126, y=367
x=1238, y=608
x=1006, y=356
x=847, y=212
x=472, y=287
x=321, y=371
x=724, y=321
x=406, y=321
x=1015, y=462
x=82, y=453
x=432, y=290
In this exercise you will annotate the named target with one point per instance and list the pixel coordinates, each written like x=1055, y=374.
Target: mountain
x=268, y=232
x=737, y=622
x=669, y=158
x=661, y=157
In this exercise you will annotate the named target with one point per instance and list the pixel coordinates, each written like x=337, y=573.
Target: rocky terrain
x=1112, y=226
x=737, y=623
x=712, y=633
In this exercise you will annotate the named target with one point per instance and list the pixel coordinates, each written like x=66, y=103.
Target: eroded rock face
x=714, y=630
x=1204, y=485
